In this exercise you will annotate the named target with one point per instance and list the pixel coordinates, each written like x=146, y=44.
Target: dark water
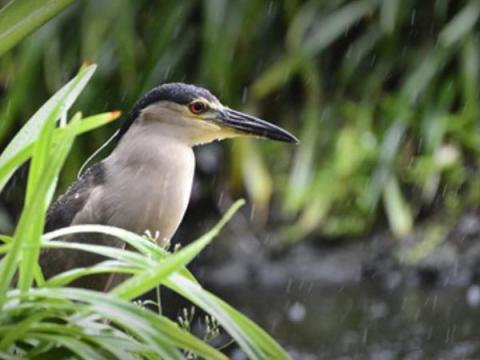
x=365, y=322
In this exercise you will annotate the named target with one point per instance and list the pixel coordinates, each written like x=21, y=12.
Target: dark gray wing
x=62, y=212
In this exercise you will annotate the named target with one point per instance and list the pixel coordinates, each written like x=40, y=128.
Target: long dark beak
x=251, y=125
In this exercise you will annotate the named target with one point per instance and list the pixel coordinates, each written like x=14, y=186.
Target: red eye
x=198, y=107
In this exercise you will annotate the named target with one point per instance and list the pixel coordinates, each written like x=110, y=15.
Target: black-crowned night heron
x=146, y=181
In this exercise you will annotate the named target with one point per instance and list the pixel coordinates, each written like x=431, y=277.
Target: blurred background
x=362, y=241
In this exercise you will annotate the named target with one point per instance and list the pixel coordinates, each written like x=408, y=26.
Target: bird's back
x=64, y=212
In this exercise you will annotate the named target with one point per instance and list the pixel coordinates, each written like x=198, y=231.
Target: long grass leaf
x=30, y=226
x=461, y=25
x=28, y=135
x=20, y=18
x=158, y=331
x=257, y=344
x=336, y=24
x=80, y=348
x=57, y=105
x=87, y=124
x=146, y=280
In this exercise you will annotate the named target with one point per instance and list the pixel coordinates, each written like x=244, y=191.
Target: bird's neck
x=149, y=143
x=153, y=172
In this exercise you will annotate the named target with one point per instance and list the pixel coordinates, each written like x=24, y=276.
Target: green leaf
x=95, y=121
x=9, y=165
x=461, y=25
x=138, y=242
x=277, y=75
x=153, y=253
x=30, y=226
x=398, y=212
x=388, y=14
x=159, y=334
x=31, y=220
x=19, y=18
x=252, y=339
x=80, y=348
x=319, y=35
x=18, y=149
x=423, y=72
x=337, y=23
x=146, y=280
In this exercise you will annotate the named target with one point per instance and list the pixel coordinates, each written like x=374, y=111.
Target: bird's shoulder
x=62, y=212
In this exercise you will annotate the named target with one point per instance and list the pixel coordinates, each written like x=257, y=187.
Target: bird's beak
x=250, y=125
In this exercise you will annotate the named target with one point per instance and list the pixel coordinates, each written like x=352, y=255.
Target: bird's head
x=194, y=114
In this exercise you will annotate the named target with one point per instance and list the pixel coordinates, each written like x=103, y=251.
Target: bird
x=145, y=183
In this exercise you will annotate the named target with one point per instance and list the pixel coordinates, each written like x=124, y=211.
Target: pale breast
x=149, y=188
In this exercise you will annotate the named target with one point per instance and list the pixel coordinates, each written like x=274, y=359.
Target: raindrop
x=289, y=286
x=300, y=286
x=416, y=316
x=271, y=8
x=348, y=52
x=244, y=95
x=9, y=107
x=434, y=302
x=429, y=333
x=167, y=72
x=310, y=287
x=365, y=336
x=176, y=31
x=412, y=17
x=274, y=324
x=220, y=198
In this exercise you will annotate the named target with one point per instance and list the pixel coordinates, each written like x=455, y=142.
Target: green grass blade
x=146, y=280
x=31, y=220
x=19, y=18
x=252, y=339
x=397, y=209
x=95, y=121
x=105, y=267
x=140, y=243
x=337, y=23
x=80, y=348
x=55, y=107
x=30, y=227
x=130, y=257
x=41, y=152
x=19, y=328
x=161, y=334
x=87, y=124
x=461, y=25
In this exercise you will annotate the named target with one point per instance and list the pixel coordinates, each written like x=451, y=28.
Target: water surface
x=364, y=321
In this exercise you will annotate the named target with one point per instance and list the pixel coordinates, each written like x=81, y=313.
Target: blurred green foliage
x=382, y=94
